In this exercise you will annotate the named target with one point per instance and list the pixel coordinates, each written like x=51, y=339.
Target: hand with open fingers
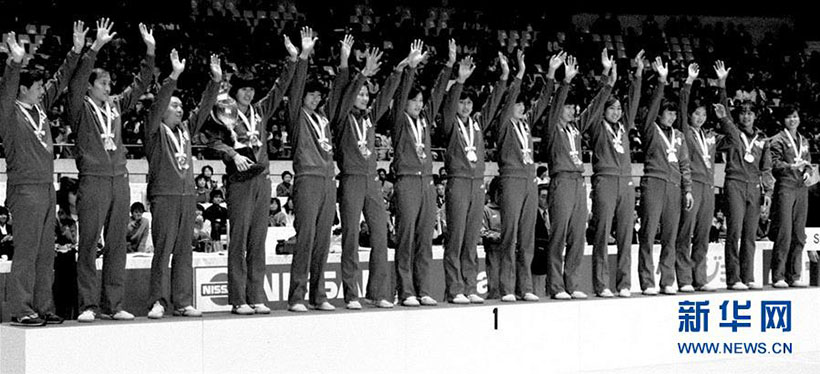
x=16, y=51
x=606, y=61
x=661, y=67
x=347, y=46
x=693, y=71
x=177, y=65
x=293, y=52
x=308, y=41
x=465, y=69
x=242, y=163
x=613, y=74
x=570, y=68
x=216, y=68
x=416, y=56
x=639, y=63
x=104, y=34
x=720, y=111
x=451, y=52
x=372, y=62
x=148, y=37
x=721, y=70
x=505, y=65
x=78, y=37
x=522, y=65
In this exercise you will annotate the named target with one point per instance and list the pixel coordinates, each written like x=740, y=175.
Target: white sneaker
x=606, y=293
x=188, y=311
x=669, y=290
x=651, y=291
x=562, y=296
x=325, y=307
x=354, y=305
x=475, y=299
x=739, y=286
x=707, y=288
x=754, y=286
x=798, y=284
x=529, y=296
x=260, y=309
x=625, y=293
x=428, y=301
x=687, y=288
x=88, y=316
x=242, y=310
x=298, y=308
x=780, y=284
x=411, y=301
x=157, y=311
x=460, y=299
x=119, y=316
x=384, y=304
x=509, y=298
x=578, y=295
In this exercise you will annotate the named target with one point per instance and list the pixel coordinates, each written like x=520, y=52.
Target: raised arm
x=408, y=78
x=490, y=107
x=372, y=65
x=683, y=100
x=201, y=113
x=570, y=70
x=129, y=97
x=635, y=92
x=341, y=81
x=595, y=109
x=440, y=87
x=79, y=82
x=11, y=81
x=382, y=101
x=55, y=86
x=268, y=104
x=657, y=96
x=546, y=92
x=465, y=69
x=727, y=126
x=163, y=100
x=297, y=86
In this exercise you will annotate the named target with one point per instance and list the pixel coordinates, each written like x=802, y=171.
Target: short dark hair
x=468, y=94
x=96, y=73
x=787, y=110
x=200, y=177
x=137, y=207
x=314, y=86
x=207, y=167
x=669, y=105
x=415, y=91
x=285, y=173
x=541, y=169
x=216, y=193
x=30, y=76
x=4, y=211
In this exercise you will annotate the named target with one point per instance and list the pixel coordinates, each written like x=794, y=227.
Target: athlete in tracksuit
x=693, y=233
x=791, y=166
x=465, y=193
x=172, y=193
x=748, y=166
x=104, y=193
x=359, y=185
x=24, y=129
x=568, y=197
x=613, y=193
x=412, y=118
x=666, y=177
x=248, y=187
x=519, y=192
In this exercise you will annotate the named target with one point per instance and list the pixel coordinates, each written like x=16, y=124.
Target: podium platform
x=594, y=335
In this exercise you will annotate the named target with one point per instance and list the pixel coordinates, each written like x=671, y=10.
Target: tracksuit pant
x=102, y=203
x=660, y=205
x=492, y=266
x=612, y=197
x=314, y=203
x=519, y=205
x=415, y=216
x=568, y=216
x=248, y=210
x=32, y=270
x=742, y=220
x=465, y=208
x=693, y=237
x=362, y=194
x=790, y=209
x=171, y=231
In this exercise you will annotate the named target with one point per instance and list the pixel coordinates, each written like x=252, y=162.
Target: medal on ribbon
x=749, y=146
x=106, y=122
x=179, y=146
x=468, y=135
x=522, y=132
x=417, y=128
x=671, y=152
x=617, y=137
x=251, y=124
x=361, y=135
x=36, y=126
x=321, y=131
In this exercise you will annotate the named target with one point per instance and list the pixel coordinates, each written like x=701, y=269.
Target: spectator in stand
x=202, y=231
x=284, y=189
x=291, y=216
x=202, y=190
x=208, y=172
x=542, y=173
x=440, y=226
x=139, y=229
x=491, y=240
x=6, y=239
x=278, y=218
x=540, y=258
x=218, y=215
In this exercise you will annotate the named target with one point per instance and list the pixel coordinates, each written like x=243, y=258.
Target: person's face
x=207, y=172
x=614, y=112
x=465, y=107
x=698, y=117
x=362, y=99
x=518, y=111
x=792, y=121
x=173, y=114
x=287, y=178
x=199, y=213
x=382, y=174
x=568, y=114
x=33, y=94
x=218, y=199
x=100, y=90
x=274, y=206
x=200, y=182
x=244, y=96
x=720, y=215
x=415, y=105
x=312, y=100
x=136, y=215
x=440, y=189
x=747, y=118
x=668, y=117
x=543, y=199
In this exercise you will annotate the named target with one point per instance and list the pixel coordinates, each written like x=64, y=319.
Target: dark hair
x=469, y=94
x=695, y=104
x=747, y=106
x=314, y=86
x=97, y=73
x=495, y=186
x=611, y=101
x=200, y=177
x=669, y=105
x=200, y=208
x=277, y=201
x=216, y=193
x=415, y=91
x=207, y=167
x=137, y=207
x=541, y=169
x=787, y=110
x=4, y=211
x=285, y=173
x=30, y=76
